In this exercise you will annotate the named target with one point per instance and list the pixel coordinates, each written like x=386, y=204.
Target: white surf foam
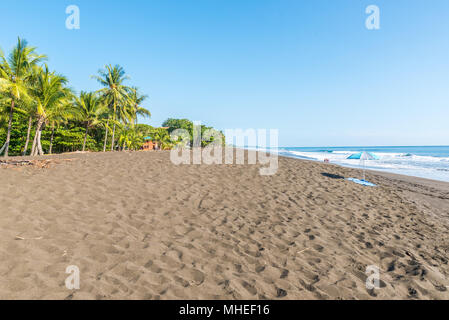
x=402, y=163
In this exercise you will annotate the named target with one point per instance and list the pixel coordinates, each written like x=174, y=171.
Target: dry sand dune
x=139, y=227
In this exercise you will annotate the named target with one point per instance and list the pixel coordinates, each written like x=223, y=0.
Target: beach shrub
x=174, y=124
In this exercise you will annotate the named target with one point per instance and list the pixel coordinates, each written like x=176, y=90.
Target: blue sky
x=308, y=68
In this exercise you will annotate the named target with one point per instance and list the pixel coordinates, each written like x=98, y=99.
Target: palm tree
x=52, y=101
x=15, y=76
x=60, y=114
x=115, y=93
x=29, y=109
x=135, y=140
x=91, y=111
x=136, y=109
x=124, y=138
x=131, y=137
x=162, y=138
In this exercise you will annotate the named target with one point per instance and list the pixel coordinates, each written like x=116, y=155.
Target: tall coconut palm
x=91, y=111
x=15, y=75
x=115, y=93
x=29, y=109
x=52, y=101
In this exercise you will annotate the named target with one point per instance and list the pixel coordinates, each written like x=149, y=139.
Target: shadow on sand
x=333, y=176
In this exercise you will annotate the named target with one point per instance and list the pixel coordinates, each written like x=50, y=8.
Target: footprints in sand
x=193, y=276
x=250, y=288
x=194, y=232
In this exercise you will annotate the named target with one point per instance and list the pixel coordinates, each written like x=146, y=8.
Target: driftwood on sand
x=34, y=163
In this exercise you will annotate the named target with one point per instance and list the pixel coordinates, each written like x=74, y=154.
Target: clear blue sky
x=308, y=68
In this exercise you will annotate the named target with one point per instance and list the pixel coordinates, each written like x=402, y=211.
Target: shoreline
x=358, y=167
x=379, y=172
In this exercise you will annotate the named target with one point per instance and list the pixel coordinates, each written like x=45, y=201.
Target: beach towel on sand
x=362, y=182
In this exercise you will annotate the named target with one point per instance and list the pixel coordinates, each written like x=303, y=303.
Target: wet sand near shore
x=139, y=227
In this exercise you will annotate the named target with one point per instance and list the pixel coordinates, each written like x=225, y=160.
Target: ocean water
x=431, y=162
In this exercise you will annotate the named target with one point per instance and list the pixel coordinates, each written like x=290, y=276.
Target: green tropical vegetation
x=41, y=114
x=185, y=124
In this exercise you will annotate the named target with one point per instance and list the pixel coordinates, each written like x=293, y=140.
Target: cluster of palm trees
x=43, y=97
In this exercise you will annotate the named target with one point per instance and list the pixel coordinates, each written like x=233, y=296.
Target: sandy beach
x=139, y=227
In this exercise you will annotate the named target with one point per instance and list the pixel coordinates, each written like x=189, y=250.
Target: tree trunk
x=113, y=136
x=85, y=137
x=33, y=148
x=51, y=139
x=106, y=136
x=113, y=130
x=8, y=135
x=3, y=148
x=37, y=147
x=30, y=124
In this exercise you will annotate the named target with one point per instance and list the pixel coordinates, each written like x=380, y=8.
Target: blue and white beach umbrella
x=362, y=156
